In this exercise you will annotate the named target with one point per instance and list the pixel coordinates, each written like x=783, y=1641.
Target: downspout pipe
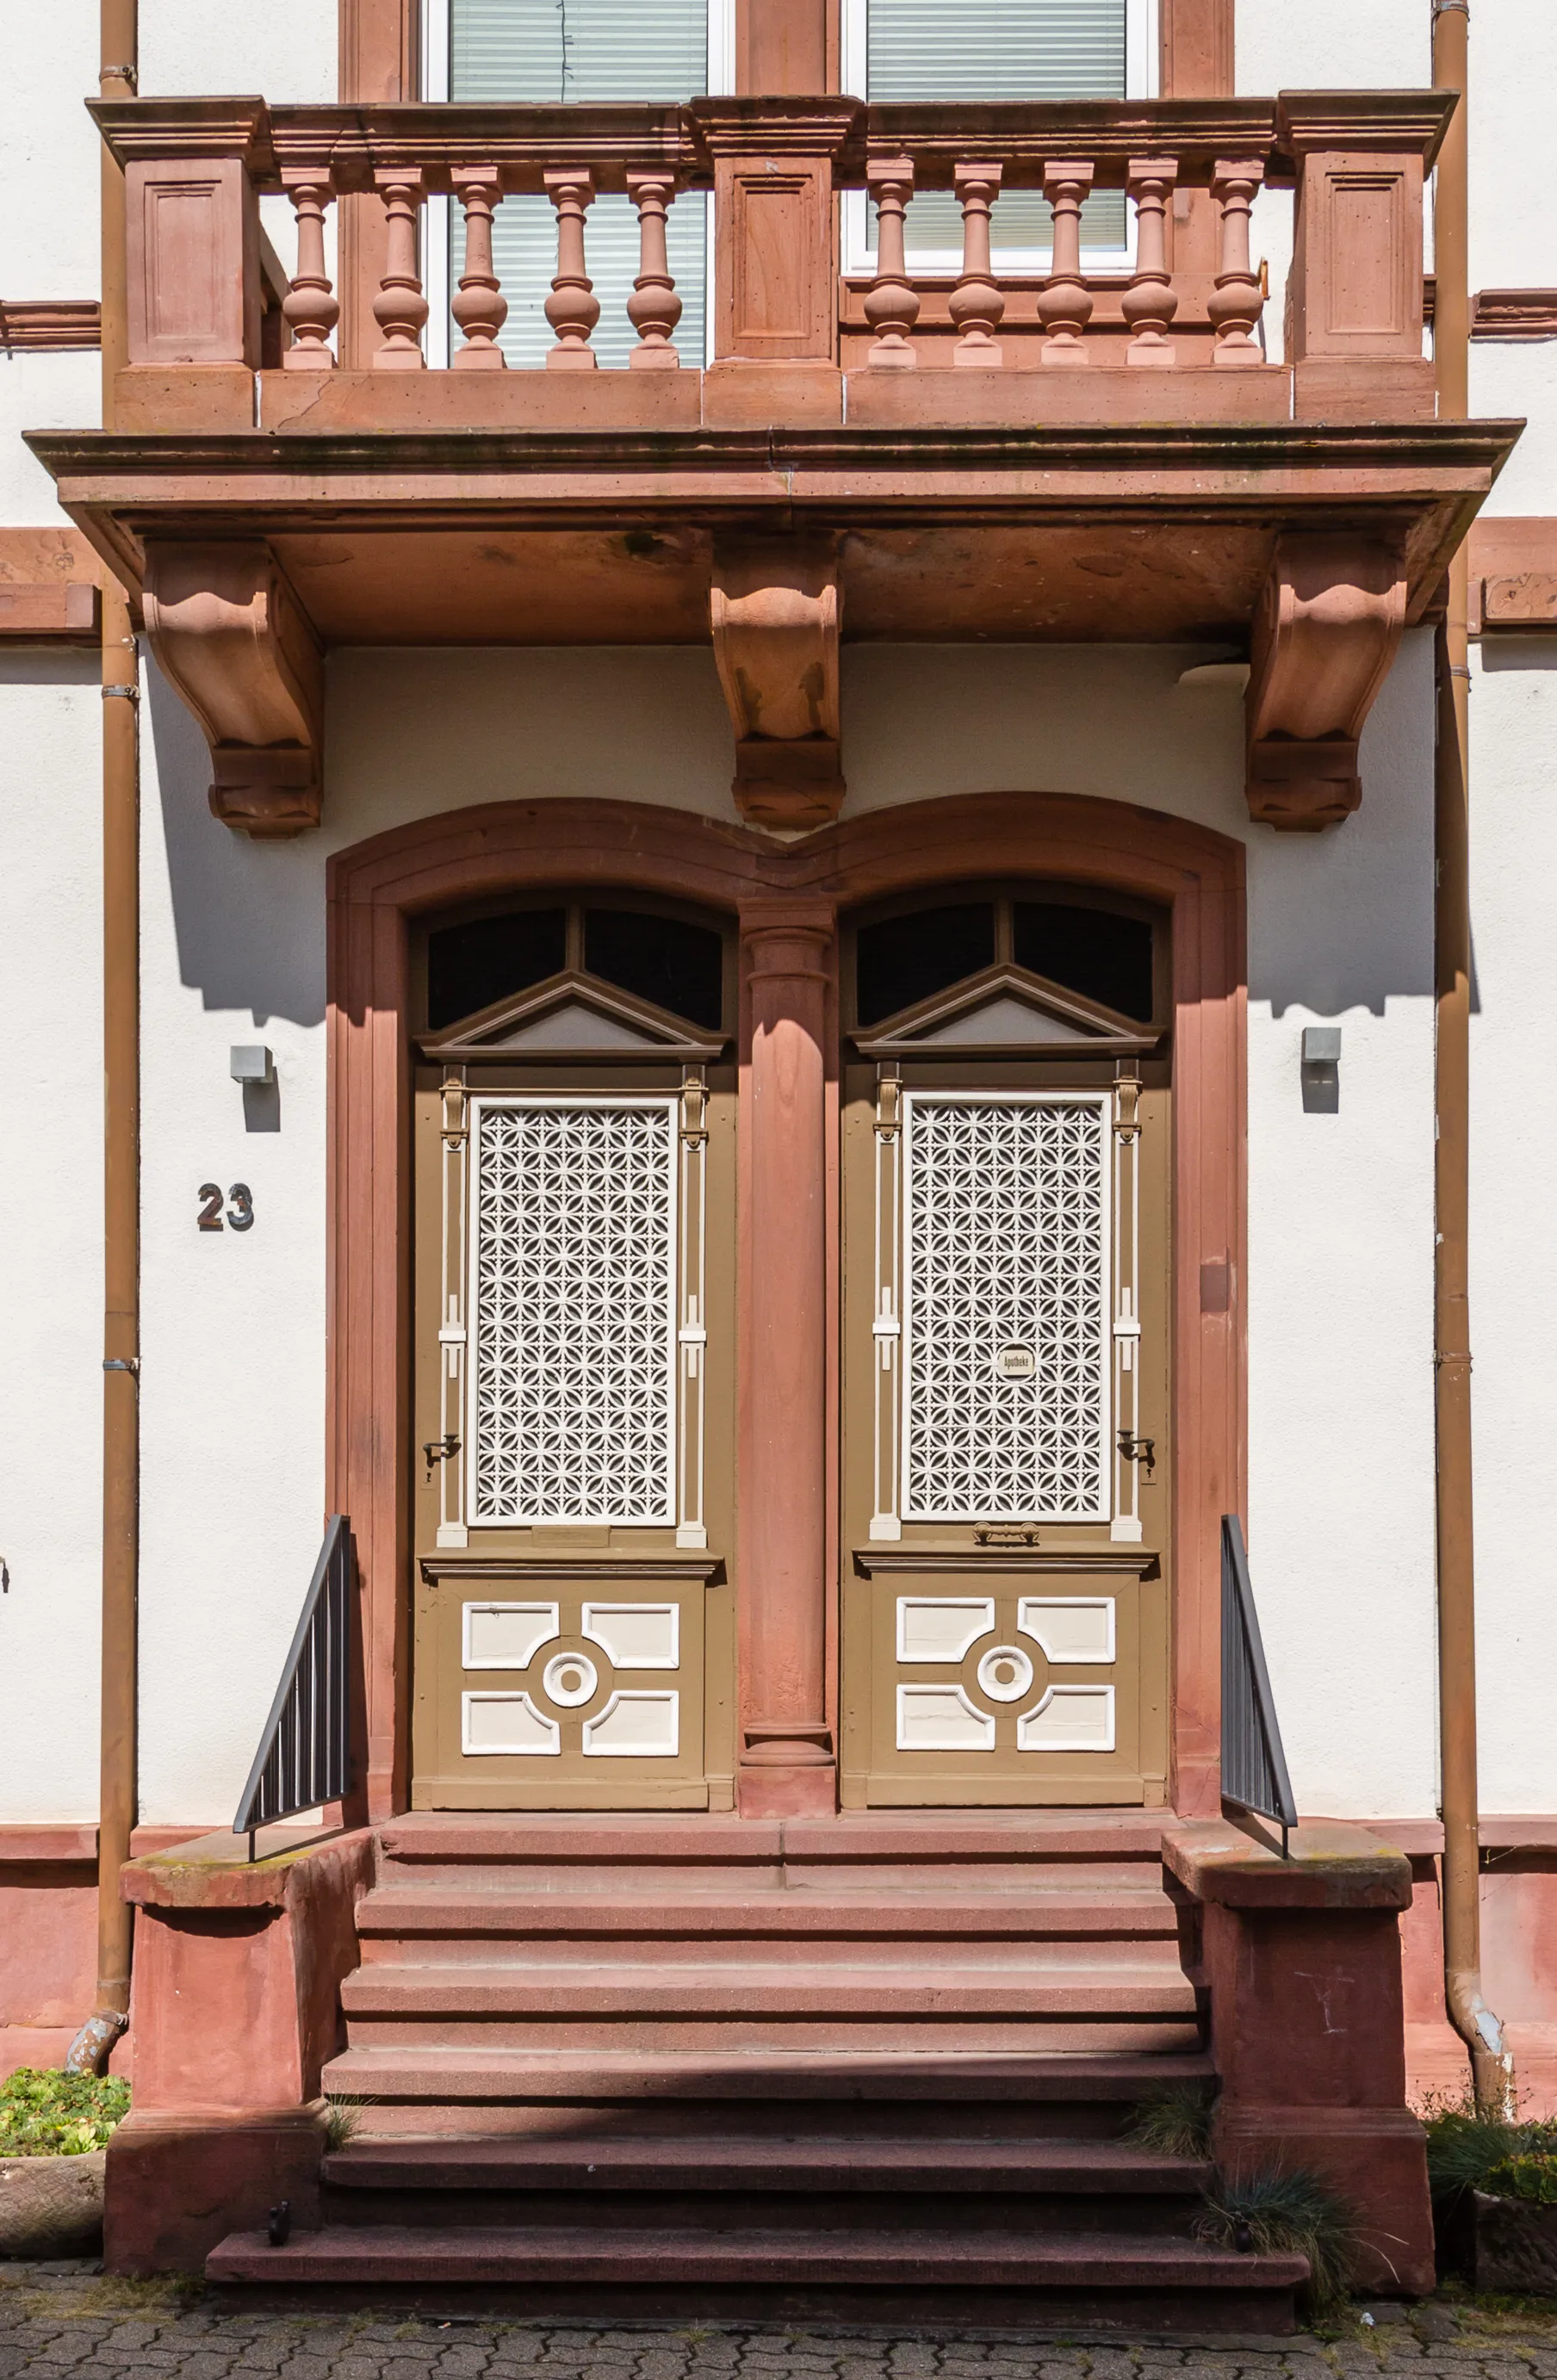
x=1491, y=2063
x=89, y=2053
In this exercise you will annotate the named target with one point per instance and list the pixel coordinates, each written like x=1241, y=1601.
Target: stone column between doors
x=787, y=1765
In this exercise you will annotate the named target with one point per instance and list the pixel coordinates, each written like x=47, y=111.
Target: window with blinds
x=556, y=51
x=908, y=50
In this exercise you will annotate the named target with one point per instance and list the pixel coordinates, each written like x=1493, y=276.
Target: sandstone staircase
x=881, y=2065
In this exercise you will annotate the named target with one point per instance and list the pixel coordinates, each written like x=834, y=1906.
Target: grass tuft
x=1174, y=2122
x=1287, y=2211
x=45, y=2112
x=343, y=2120
x=1468, y=2148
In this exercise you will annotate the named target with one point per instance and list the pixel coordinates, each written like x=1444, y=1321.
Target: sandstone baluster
x=309, y=307
x=400, y=310
x=572, y=309
x=892, y=304
x=1065, y=304
x=479, y=305
x=976, y=305
x=653, y=309
x=1150, y=302
x=1236, y=300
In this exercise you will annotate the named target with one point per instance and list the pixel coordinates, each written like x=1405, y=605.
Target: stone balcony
x=890, y=454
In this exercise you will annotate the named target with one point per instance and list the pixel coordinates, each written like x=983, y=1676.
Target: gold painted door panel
x=1004, y=1619
x=572, y=1611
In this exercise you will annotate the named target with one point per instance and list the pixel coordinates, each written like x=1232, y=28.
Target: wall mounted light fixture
x=251, y=1062
x=1321, y=1069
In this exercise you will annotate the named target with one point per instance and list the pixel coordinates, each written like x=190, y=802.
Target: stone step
x=1161, y=2282
x=399, y=1912
x=643, y=1844
x=433, y=2087
x=758, y=2161
x=1038, y=1983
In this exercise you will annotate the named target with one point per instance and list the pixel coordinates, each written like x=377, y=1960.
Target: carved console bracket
x=774, y=610
x=236, y=645
x=1326, y=631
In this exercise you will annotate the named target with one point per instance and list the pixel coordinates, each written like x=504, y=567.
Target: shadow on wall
x=1336, y=922
x=1343, y=920
x=248, y=919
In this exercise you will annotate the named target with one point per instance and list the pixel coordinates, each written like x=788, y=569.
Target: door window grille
x=1006, y=1338
x=573, y=1311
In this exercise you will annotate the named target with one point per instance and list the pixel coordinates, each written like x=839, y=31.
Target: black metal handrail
x=1254, y=1773
x=305, y=1753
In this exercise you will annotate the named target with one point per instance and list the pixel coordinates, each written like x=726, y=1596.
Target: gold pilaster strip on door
x=1125, y=1527
x=691, y=1527
x=886, y=1523
x=453, y=1338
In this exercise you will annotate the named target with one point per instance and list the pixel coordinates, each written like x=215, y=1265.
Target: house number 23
x=240, y=1208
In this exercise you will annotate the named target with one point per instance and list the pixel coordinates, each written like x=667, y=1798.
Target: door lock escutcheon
x=1138, y=1449
x=439, y=1450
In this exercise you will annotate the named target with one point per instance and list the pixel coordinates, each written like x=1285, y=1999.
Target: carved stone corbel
x=1327, y=628
x=774, y=612
x=234, y=641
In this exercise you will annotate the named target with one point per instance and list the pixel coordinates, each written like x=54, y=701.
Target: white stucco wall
x=51, y=1235
x=1513, y=1279
x=1339, y=928
x=49, y=151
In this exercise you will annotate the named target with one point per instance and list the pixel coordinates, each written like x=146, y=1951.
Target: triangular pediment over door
x=571, y=1015
x=1005, y=1011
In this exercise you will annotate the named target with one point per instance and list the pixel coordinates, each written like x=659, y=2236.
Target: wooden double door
x=995, y=1592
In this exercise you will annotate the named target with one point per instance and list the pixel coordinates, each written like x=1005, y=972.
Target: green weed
x=45, y=2112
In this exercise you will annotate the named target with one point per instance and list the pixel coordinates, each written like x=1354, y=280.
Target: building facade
x=737, y=725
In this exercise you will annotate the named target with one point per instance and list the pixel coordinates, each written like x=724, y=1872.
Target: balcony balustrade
x=1027, y=447
x=1189, y=301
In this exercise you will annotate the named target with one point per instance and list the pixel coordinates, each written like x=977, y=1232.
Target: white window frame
x=435, y=42
x=1141, y=81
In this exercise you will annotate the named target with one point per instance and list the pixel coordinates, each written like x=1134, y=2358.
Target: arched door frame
x=787, y=898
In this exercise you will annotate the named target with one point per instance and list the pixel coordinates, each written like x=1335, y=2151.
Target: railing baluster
x=311, y=306
x=572, y=309
x=1236, y=300
x=1065, y=304
x=305, y=1753
x=1253, y=1770
x=478, y=305
x=654, y=309
x=892, y=304
x=400, y=309
x=1150, y=302
x=976, y=305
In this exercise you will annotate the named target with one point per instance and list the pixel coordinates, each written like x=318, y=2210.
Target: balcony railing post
x=478, y=305
x=1065, y=304
x=892, y=304
x=1236, y=300
x=311, y=306
x=572, y=309
x=1150, y=302
x=976, y=305
x=400, y=310
x=653, y=309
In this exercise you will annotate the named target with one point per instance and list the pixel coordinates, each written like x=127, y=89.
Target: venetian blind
x=991, y=50
x=553, y=51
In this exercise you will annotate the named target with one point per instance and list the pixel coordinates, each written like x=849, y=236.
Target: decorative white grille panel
x=1005, y=1309
x=574, y=1241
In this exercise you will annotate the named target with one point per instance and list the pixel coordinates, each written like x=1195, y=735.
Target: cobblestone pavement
x=64, y=2320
